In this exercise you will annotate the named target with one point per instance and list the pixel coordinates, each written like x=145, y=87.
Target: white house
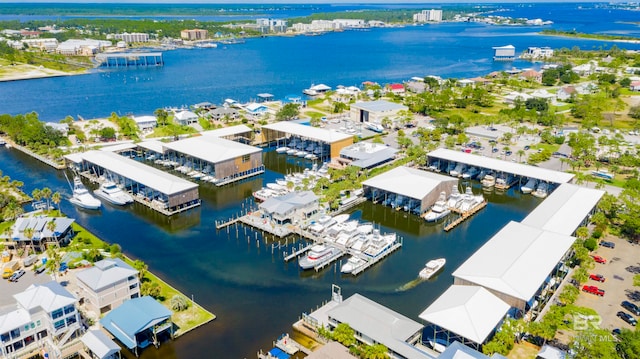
x=43, y=311
x=634, y=86
x=185, y=117
x=256, y=109
x=145, y=123
x=107, y=284
x=566, y=93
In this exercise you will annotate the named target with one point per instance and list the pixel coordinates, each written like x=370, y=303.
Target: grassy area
x=172, y=130
x=186, y=320
x=523, y=350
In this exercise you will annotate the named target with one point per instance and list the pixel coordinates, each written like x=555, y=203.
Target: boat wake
x=409, y=285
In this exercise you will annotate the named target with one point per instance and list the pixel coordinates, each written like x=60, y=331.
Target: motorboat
x=265, y=193
x=432, y=267
x=470, y=173
x=457, y=170
x=283, y=149
x=542, y=191
x=469, y=200
x=291, y=151
x=529, y=186
x=375, y=127
x=454, y=198
x=352, y=264
x=113, y=194
x=318, y=255
x=488, y=181
x=439, y=209
x=81, y=196
x=379, y=243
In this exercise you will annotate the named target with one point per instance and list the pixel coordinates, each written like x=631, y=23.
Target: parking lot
x=622, y=264
x=8, y=289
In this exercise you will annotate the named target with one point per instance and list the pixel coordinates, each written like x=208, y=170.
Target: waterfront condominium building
x=45, y=313
x=428, y=15
x=195, y=34
x=106, y=285
x=133, y=37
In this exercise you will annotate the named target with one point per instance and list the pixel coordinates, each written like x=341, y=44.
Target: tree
x=46, y=194
x=53, y=262
x=584, y=346
x=582, y=232
x=51, y=226
x=141, y=267
x=179, y=303
x=29, y=232
x=344, y=335
x=56, y=198
x=376, y=351
x=12, y=210
x=628, y=344
x=162, y=116
x=107, y=133
x=150, y=288
x=288, y=112
x=520, y=153
x=634, y=112
x=36, y=194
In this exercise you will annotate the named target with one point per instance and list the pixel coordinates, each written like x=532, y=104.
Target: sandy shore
x=28, y=72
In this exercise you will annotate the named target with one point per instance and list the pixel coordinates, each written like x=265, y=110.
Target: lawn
x=523, y=350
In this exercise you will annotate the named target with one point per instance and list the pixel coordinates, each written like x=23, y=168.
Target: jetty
x=295, y=254
x=464, y=215
x=376, y=259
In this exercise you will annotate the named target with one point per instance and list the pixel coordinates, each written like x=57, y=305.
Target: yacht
x=488, y=181
x=457, y=170
x=432, y=267
x=541, y=191
x=352, y=264
x=283, y=149
x=319, y=254
x=111, y=193
x=81, y=196
x=379, y=243
x=469, y=200
x=375, y=127
x=454, y=198
x=470, y=173
x=439, y=209
x=529, y=186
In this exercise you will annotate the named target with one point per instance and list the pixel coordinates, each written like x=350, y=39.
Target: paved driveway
x=8, y=289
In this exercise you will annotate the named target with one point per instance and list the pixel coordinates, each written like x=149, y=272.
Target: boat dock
x=464, y=215
x=222, y=224
x=295, y=254
x=328, y=262
x=284, y=346
x=381, y=256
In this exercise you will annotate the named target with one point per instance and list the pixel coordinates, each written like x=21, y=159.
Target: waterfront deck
x=464, y=215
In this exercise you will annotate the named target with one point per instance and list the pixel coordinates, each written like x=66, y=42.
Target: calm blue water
x=281, y=65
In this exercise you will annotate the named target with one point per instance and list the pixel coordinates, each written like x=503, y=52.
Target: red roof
x=396, y=86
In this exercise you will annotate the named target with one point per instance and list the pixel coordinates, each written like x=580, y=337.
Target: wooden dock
x=328, y=262
x=222, y=224
x=377, y=259
x=464, y=216
x=295, y=254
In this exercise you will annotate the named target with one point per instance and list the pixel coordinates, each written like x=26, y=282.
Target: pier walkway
x=464, y=215
x=379, y=257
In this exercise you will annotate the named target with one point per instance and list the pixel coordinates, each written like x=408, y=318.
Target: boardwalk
x=464, y=216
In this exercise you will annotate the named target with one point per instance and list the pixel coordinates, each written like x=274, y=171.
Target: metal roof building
x=566, y=209
x=374, y=323
x=527, y=260
x=41, y=232
x=464, y=313
x=331, y=142
x=224, y=159
x=286, y=208
x=408, y=188
x=137, y=322
x=239, y=133
x=99, y=345
x=375, y=111
x=367, y=155
x=442, y=156
x=163, y=191
x=108, y=284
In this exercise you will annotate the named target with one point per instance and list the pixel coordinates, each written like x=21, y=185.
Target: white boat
x=283, y=149
x=291, y=151
x=111, y=193
x=352, y=264
x=264, y=193
x=81, y=196
x=276, y=187
x=454, y=198
x=470, y=173
x=542, y=191
x=457, y=170
x=529, y=186
x=488, y=181
x=439, y=209
x=311, y=156
x=379, y=243
x=432, y=267
x=375, y=127
x=317, y=255
x=469, y=200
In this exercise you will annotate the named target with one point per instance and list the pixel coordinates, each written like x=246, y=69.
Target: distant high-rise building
x=133, y=37
x=195, y=34
x=428, y=15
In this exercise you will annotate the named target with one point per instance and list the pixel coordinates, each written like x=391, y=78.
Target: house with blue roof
x=44, y=231
x=138, y=323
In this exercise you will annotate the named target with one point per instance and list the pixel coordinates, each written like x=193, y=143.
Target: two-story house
x=107, y=284
x=44, y=312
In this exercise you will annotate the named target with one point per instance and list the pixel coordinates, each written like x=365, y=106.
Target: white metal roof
x=48, y=296
x=211, y=149
x=502, y=166
x=14, y=319
x=74, y=157
x=139, y=172
x=119, y=147
x=408, y=182
x=379, y=323
x=470, y=311
x=379, y=106
x=153, y=145
x=185, y=116
x=99, y=343
x=145, y=119
x=314, y=133
x=516, y=260
x=105, y=273
x=227, y=131
x=565, y=209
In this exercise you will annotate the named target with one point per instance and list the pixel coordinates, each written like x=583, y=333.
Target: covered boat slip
x=443, y=159
x=239, y=133
x=407, y=188
x=326, y=144
x=228, y=161
x=154, y=188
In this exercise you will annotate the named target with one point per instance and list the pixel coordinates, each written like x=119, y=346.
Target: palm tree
x=29, y=232
x=51, y=226
x=56, y=198
x=12, y=210
x=141, y=267
x=36, y=194
x=46, y=194
x=520, y=154
x=53, y=262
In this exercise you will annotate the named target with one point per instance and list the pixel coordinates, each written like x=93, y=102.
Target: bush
x=591, y=244
x=597, y=233
x=179, y=303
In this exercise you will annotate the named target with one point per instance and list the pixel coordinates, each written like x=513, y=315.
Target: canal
x=236, y=275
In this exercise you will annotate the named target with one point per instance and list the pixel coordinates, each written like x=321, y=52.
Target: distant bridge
x=130, y=59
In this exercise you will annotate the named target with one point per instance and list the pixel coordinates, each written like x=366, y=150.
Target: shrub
x=179, y=303
x=597, y=233
x=591, y=244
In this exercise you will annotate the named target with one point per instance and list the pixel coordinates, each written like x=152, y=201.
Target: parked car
x=616, y=331
x=527, y=147
x=630, y=307
x=40, y=269
x=599, y=259
x=16, y=275
x=593, y=290
x=607, y=244
x=508, y=153
x=627, y=318
x=597, y=277
x=494, y=150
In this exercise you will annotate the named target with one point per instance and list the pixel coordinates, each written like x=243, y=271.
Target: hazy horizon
x=299, y=2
